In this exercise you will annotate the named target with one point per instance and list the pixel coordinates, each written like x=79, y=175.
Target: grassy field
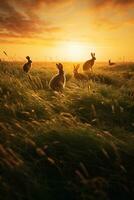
x=78, y=145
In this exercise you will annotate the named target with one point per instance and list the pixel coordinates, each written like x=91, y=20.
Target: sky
x=67, y=30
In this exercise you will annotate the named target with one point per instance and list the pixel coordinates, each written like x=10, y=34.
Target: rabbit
x=78, y=76
x=27, y=66
x=111, y=63
x=57, y=83
x=89, y=63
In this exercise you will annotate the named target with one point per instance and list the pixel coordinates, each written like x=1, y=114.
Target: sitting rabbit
x=88, y=65
x=78, y=76
x=57, y=83
x=111, y=63
x=27, y=66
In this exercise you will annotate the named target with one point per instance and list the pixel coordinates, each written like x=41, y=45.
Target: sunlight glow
x=75, y=51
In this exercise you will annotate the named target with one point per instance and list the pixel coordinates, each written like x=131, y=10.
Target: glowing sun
x=75, y=51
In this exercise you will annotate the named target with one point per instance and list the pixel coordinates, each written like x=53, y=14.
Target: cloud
x=113, y=14
x=20, y=19
x=35, y=4
x=32, y=18
x=103, y=3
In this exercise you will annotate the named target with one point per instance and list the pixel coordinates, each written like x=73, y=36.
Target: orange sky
x=67, y=29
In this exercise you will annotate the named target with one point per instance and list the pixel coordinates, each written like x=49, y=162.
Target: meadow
x=75, y=145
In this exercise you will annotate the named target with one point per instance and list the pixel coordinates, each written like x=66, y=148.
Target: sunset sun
x=74, y=51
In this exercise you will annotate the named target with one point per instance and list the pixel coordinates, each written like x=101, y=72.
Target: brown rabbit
x=89, y=63
x=79, y=76
x=57, y=83
x=111, y=63
x=27, y=66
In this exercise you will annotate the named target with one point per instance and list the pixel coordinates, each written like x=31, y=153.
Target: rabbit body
x=57, y=83
x=111, y=63
x=89, y=63
x=78, y=76
x=27, y=66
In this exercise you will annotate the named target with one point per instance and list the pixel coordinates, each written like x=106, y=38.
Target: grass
x=75, y=145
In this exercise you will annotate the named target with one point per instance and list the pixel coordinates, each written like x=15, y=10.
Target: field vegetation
x=75, y=145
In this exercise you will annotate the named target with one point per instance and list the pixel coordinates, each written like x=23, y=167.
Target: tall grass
x=75, y=145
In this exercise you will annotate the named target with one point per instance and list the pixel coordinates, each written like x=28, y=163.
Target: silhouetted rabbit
x=57, y=83
x=89, y=63
x=111, y=63
x=27, y=66
x=79, y=76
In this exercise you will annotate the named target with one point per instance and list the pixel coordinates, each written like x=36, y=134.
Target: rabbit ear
x=61, y=66
x=92, y=55
x=74, y=67
x=57, y=65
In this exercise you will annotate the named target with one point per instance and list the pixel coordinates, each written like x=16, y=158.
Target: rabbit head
x=60, y=68
x=93, y=56
x=76, y=69
x=27, y=57
x=57, y=82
